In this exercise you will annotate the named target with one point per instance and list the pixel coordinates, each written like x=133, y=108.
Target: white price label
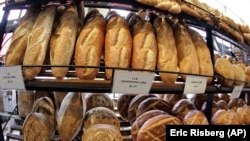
x=132, y=82
x=11, y=78
x=236, y=92
x=195, y=84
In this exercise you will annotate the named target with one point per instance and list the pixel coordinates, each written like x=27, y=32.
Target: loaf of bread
x=187, y=54
x=16, y=50
x=204, y=56
x=118, y=44
x=243, y=114
x=100, y=115
x=155, y=128
x=182, y=107
x=224, y=96
x=38, y=42
x=133, y=105
x=233, y=104
x=198, y=100
x=222, y=104
x=123, y=105
x=102, y=132
x=62, y=49
x=25, y=101
x=224, y=68
x=46, y=106
x=173, y=98
x=189, y=10
x=239, y=75
x=153, y=103
x=89, y=45
x=70, y=115
x=225, y=117
x=136, y=126
x=99, y=100
x=167, y=59
x=36, y=128
x=195, y=117
x=144, y=46
x=132, y=18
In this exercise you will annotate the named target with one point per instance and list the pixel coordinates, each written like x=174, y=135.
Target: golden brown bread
x=198, y=100
x=99, y=100
x=243, y=114
x=239, y=75
x=153, y=128
x=225, y=117
x=153, y=103
x=25, y=101
x=195, y=117
x=173, y=98
x=187, y=54
x=136, y=126
x=46, y=106
x=204, y=56
x=100, y=115
x=222, y=104
x=16, y=50
x=36, y=128
x=224, y=96
x=167, y=59
x=247, y=73
x=89, y=46
x=133, y=105
x=189, y=10
x=61, y=51
x=38, y=42
x=102, y=132
x=70, y=115
x=182, y=107
x=118, y=44
x=123, y=105
x=224, y=68
x=144, y=46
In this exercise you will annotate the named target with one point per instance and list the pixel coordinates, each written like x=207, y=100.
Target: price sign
x=195, y=84
x=236, y=92
x=11, y=78
x=132, y=82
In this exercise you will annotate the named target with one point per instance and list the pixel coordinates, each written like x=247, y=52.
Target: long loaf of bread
x=63, y=47
x=18, y=45
x=38, y=42
x=118, y=44
x=187, y=55
x=144, y=46
x=167, y=59
x=204, y=55
x=89, y=45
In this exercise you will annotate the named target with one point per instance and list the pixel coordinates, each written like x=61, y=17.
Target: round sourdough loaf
x=173, y=98
x=153, y=103
x=123, y=105
x=225, y=117
x=102, y=132
x=142, y=119
x=222, y=104
x=133, y=105
x=155, y=128
x=101, y=115
x=195, y=117
x=99, y=100
x=182, y=107
x=36, y=128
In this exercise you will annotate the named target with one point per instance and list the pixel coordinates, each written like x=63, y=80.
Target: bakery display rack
x=46, y=82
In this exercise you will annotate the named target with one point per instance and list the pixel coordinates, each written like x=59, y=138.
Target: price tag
x=195, y=84
x=132, y=82
x=236, y=92
x=11, y=78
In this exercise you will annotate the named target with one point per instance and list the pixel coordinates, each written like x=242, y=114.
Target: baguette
x=61, y=51
x=204, y=56
x=187, y=55
x=144, y=46
x=118, y=44
x=167, y=59
x=18, y=45
x=38, y=42
x=89, y=46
